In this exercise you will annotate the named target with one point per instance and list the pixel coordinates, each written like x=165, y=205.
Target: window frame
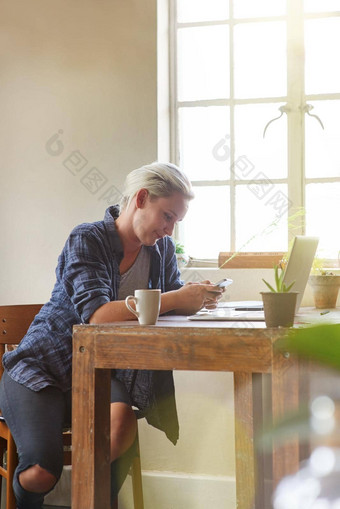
x=296, y=105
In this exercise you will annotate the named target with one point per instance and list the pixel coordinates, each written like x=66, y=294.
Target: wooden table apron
x=247, y=352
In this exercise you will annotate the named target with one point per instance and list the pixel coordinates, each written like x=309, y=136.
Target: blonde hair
x=160, y=180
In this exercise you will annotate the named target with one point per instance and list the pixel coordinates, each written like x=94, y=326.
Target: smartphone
x=224, y=282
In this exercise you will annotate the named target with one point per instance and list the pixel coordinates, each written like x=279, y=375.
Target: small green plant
x=319, y=267
x=179, y=247
x=279, y=284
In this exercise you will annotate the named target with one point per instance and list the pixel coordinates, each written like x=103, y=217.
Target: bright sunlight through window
x=256, y=102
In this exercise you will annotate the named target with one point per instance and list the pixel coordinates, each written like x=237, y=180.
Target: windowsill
x=251, y=261
x=194, y=263
x=230, y=260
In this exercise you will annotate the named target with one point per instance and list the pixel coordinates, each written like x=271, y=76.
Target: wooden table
x=176, y=343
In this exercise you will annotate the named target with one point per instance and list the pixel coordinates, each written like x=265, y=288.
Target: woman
x=100, y=265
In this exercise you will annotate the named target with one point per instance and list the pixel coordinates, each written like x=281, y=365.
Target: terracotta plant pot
x=279, y=308
x=325, y=290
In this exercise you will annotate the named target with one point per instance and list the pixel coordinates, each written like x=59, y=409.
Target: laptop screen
x=299, y=265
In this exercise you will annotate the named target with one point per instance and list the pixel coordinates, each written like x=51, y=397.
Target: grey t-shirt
x=137, y=276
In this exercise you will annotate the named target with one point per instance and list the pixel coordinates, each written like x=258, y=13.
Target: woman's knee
x=123, y=419
x=123, y=428
x=37, y=479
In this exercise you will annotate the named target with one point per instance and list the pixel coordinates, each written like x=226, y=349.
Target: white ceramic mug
x=147, y=304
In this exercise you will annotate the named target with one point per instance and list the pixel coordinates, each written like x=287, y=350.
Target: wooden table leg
x=285, y=399
x=90, y=450
x=304, y=400
x=248, y=425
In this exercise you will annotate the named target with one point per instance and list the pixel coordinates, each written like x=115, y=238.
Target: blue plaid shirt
x=87, y=277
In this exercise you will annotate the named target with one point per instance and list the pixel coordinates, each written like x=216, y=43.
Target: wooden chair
x=14, y=322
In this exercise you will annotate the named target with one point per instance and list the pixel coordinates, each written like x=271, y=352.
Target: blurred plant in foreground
x=316, y=485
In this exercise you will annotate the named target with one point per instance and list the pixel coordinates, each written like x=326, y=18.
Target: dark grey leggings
x=36, y=421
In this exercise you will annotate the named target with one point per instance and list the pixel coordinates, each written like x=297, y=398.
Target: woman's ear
x=141, y=197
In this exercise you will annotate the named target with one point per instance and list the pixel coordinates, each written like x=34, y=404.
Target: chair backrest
x=14, y=322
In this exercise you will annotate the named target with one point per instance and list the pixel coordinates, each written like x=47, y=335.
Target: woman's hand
x=194, y=296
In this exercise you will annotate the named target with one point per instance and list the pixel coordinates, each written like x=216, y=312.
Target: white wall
x=89, y=69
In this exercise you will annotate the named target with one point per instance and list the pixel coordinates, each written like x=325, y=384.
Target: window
x=255, y=123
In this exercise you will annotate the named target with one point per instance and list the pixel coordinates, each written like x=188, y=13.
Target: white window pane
x=322, y=216
x=260, y=60
x=266, y=156
x=261, y=217
x=322, y=41
x=203, y=63
x=205, y=142
x=260, y=8
x=321, y=6
x=201, y=10
x=322, y=146
x=206, y=225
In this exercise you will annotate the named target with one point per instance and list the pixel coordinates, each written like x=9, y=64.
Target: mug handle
x=128, y=305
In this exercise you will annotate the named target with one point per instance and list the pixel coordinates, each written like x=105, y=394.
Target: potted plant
x=182, y=258
x=325, y=286
x=279, y=303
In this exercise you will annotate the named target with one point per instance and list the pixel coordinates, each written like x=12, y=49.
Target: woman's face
x=155, y=218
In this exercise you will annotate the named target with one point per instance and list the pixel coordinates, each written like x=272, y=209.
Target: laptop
x=299, y=265
x=298, y=269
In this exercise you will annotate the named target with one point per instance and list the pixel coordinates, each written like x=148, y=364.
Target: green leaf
x=290, y=424
x=281, y=280
x=269, y=286
x=179, y=247
x=277, y=278
x=286, y=289
x=320, y=343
